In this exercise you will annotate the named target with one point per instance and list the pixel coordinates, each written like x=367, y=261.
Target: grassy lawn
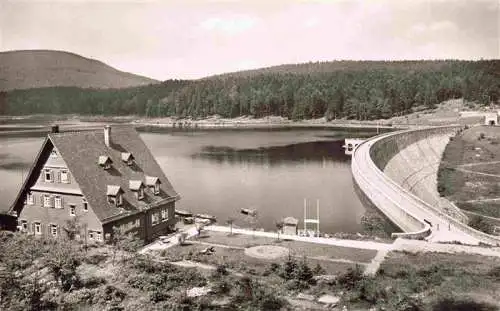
x=475, y=145
x=237, y=260
x=297, y=248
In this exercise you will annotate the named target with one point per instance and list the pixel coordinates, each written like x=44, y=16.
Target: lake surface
x=220, y=172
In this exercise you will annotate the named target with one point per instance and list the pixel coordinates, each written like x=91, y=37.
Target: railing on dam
x=391, y=198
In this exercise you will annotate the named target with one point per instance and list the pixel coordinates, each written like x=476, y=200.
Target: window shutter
x=33, y=228
x=58, y=177
x=42, y=199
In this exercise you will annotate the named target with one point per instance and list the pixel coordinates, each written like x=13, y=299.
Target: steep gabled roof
x=152, y=180
x=135, y=185
x=113, y=190
x=80, y=150
x=126, y=156
x=103, y=159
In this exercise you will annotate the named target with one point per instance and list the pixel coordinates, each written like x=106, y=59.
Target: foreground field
x=37, y=274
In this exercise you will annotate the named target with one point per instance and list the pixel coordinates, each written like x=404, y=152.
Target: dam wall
x=397, y=172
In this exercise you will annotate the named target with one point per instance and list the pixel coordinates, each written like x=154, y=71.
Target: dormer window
x=115, y=195
x=153, y=183
x=138, y=188
x=128, y=158
x=105, y=162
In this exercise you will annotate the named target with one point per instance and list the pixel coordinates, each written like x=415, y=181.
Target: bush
x=452, y=304
x=479, y=223
x=495, y=272
x=351, y=278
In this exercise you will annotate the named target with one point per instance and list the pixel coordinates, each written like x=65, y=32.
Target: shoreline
x=74, y=122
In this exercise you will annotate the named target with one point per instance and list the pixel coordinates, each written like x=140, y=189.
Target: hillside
x=363, y=90
x=44, y=68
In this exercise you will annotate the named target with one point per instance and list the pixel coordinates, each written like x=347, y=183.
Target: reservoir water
x=220, y=172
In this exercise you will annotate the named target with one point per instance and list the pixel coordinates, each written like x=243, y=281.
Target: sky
x=188, y=39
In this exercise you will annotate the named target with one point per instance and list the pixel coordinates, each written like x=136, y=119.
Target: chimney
x=54, y=129
x=107, y=135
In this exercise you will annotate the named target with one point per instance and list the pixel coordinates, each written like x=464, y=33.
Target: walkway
x=326, y=241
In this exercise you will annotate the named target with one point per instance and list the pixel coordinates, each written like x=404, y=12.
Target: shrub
x=453, y=304
x=351, y=278
x=481, y=136
x=495, y=272
x=479, y=223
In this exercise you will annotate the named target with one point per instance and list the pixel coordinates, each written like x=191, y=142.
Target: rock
x=307, y=297
x=198, y=291
x=325, y=278
x=329, y=300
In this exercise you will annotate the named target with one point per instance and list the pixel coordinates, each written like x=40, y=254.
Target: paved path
x=326, y=241
x=478, y=163
x=477, y=173
x=171, y=241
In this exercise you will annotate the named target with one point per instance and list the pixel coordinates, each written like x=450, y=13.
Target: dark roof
x=81, y=151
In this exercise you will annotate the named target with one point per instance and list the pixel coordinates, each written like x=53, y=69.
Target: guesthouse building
x=87, y=183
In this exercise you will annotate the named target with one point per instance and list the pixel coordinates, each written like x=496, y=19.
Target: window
x=140, y=193
x=47, y=200
x=58, y=202
x=65, y=177
x=154, y=219
x=53, y=230
x=24, y=225
x=53, y=153
x=137, y=223
x=119, y=200
x=30, y=199
x=38, y=228
x=164, y=215
x=98, y=236
x=85, y=206
x=72, y=210
x=48, y=175
x=157, y=188
x=91, y=235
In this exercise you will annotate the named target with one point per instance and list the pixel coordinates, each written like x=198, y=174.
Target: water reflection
x=318, y=151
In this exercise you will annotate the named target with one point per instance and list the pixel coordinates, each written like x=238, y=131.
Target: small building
x=100, y=180
x=491, y=119
x=290, y=226
x=350, y=144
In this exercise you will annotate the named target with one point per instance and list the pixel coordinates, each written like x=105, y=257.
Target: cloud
x=312, y=22
x=232, y=25
x=443, y=26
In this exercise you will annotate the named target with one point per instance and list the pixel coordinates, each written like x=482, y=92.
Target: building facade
x=85, y=184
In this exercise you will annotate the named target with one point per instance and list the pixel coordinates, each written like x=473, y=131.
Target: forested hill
x=49, y=68
x=361, y=90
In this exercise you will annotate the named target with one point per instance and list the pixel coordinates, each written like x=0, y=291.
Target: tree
x=123, y=241
x=279, y=227
x=62, y=261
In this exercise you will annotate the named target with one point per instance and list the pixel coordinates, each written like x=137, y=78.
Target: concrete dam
x=397, y=173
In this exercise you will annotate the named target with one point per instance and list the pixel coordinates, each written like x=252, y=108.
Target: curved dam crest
x=397, y=172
